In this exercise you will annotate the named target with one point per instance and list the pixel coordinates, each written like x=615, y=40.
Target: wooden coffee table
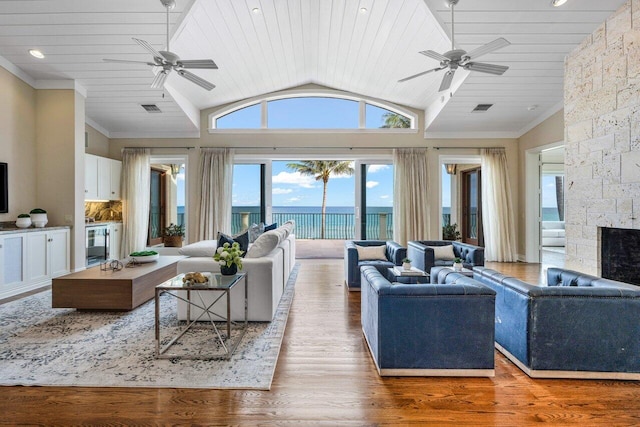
x=94, y=289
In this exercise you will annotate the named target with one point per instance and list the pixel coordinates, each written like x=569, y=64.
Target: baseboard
x=351, y=289
x=577, y=375
x=428, y=372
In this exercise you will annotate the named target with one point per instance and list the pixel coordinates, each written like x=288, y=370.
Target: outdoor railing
x=338, y=226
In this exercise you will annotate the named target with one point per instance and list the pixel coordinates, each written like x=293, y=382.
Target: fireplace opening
x=620, y=254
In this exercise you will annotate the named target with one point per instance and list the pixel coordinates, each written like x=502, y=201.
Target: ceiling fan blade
x=197, y=63
x=446, y=80
x=498, y=70
x=197, y=80
x=487, y=48
x=435, y=55
x=149, y=48
x=421, y=74
x=124, y=61
x=160, y=78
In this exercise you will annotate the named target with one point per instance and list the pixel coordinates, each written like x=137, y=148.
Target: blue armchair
x=394, y=254
x=421, y=254
x=428, y=329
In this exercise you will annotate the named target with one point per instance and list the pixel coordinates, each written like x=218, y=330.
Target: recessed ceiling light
x=532, y=107
x=36, y=53
x=363, y=10
x=558, y=3
x=256, y=11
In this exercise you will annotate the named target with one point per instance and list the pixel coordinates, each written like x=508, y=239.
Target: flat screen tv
x=4, y=188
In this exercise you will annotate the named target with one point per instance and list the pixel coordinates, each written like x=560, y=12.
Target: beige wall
x=602, y=118
x=98, y=142
x=18, y=143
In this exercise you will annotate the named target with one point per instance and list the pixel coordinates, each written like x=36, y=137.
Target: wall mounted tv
x=4, y=188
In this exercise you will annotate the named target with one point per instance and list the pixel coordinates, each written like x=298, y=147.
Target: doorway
x=471, y=206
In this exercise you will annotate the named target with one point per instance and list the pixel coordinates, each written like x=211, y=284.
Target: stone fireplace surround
x=620, y=254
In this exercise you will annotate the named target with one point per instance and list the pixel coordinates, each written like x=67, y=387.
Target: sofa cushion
x=372, y=252
x=264, y=244
x=443, y=252
x=242, y=239
x=255, y=230
x=271, y=227
x=203, y=248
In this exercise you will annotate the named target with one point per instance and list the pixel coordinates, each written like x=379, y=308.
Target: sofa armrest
x=421, y=255
x=395, y=252
x=471, y=255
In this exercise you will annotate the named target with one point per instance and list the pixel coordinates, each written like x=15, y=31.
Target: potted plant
x=406, y=263
x=450, y=232
x=39, y=217
x=457, y=264
x=229, y=257
x=23, y=221
x=173, y=235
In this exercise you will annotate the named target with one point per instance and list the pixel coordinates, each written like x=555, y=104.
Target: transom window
x=313, y=112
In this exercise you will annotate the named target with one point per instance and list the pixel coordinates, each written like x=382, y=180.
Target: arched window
x=317, y=111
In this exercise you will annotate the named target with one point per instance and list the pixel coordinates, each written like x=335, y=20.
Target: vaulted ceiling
x=262, y=46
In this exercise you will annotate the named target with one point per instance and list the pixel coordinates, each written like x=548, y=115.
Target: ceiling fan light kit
x=558, y=3
x=459, y=58
x=168, y=61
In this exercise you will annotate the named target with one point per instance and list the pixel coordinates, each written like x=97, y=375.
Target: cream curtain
x=411, y=187
x=216, y=167
x=136, y=170
x=497, y=207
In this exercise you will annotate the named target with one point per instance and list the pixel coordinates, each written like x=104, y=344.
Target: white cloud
x=281, y=191
x=294, y=199
x=377, y=168
x=294, y=178
x=371, y=184
x=386, y=196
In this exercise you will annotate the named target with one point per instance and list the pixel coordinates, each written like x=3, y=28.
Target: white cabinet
x=29, y=260
x=90, y=177
x=115, y=237
x=102, y=178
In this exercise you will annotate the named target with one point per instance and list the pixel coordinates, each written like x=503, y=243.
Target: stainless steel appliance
x=97, y=244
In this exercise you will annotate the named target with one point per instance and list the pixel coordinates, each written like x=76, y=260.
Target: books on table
x=399, y=271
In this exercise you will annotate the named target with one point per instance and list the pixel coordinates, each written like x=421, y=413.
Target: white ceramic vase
x=457, y=266
x=406, y=265
x=23, y=222
x=39, y=220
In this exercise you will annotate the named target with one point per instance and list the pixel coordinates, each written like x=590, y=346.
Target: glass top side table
x=190, y=293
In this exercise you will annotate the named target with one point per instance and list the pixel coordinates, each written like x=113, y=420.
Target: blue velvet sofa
x=422, y=256
x=428, y=329
x=394, y=254
x=578, y=326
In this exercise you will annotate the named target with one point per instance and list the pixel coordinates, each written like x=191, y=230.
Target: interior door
x=472, y=207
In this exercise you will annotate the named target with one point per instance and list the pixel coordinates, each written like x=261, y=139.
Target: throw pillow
x=443, y=252
x=203, y=248
x=264, y=244
x=242, y=239
x=372, y=253
x=271, y=227
x=255, y=230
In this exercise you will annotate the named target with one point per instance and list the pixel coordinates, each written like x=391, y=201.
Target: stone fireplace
x=620, y=254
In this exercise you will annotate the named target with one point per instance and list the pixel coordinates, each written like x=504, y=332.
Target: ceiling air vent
x=151, y=108
x=481, y=108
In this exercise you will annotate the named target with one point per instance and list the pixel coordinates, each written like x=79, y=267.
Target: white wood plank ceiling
x=286, y=43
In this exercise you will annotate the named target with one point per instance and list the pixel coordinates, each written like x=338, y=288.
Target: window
x=317, y=110
x=167, y=196
x=247, y=196
x=312, y=113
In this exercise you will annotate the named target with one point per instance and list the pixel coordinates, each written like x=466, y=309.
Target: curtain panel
x=134, y=187
x=497, y=208
x=410, y=191
x=216, y=167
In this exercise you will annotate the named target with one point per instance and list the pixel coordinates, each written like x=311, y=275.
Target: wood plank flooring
x=325, y=376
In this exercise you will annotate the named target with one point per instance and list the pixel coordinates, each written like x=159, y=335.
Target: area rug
x=41, y=346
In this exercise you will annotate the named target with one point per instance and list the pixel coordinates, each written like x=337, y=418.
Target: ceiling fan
x=168, y=60
x=458, y=58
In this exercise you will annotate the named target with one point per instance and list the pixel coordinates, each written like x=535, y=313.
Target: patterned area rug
x=61, y=347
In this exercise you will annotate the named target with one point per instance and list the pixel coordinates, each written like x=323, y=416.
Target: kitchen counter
x=11, y=229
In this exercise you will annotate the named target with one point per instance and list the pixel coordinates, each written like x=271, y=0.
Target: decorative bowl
x=23, y=222
x=145, y=258
x=39, y=224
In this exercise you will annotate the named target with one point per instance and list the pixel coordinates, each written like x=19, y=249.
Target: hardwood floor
x=325, y=376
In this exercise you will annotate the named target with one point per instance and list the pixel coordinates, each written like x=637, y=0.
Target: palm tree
x=393, y=120
x=321, y=170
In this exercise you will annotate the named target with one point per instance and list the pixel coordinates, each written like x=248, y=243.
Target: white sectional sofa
x=268, y=263
x=553, y=233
